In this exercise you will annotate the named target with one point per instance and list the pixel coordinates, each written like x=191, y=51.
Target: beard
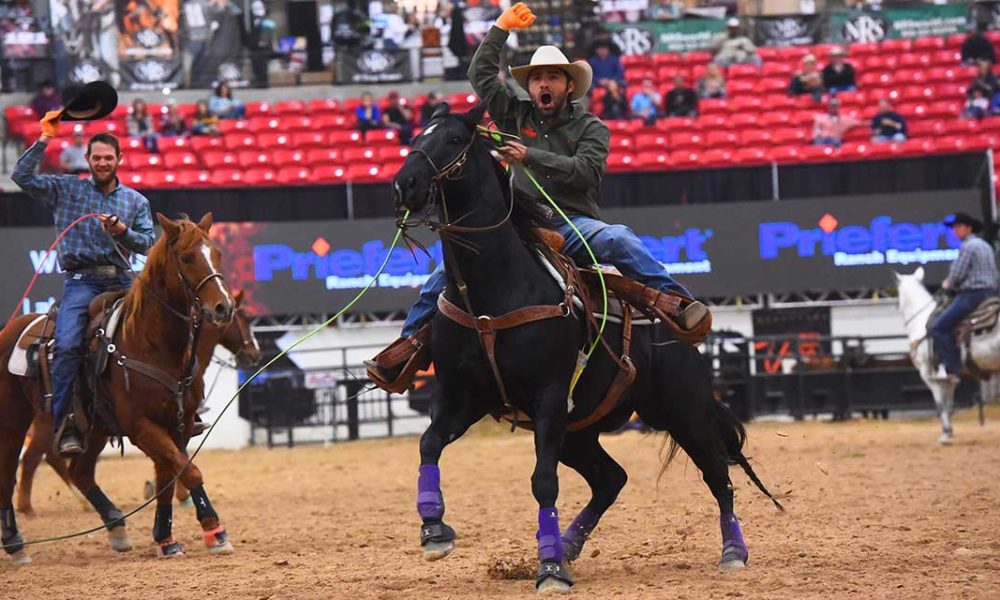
x=103, y=177
x=549, y=103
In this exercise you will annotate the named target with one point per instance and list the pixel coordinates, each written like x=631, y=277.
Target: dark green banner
x=684, y=35
x=899, y=23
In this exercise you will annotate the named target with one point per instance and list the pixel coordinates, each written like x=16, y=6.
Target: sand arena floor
x=875, y=510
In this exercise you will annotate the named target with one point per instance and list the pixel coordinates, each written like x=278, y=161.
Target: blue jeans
x=941, y=331
x=71, y=325
x=617, y=245
x=897, y=137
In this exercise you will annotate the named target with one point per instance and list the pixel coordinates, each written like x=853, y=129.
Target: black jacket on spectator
x=978, y=47
x=989, y=86
x=878, y=128
x=842, y=79
x=681, y=102
x=614, y=107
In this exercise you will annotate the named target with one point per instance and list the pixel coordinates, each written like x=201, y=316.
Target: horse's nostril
x=221, y=310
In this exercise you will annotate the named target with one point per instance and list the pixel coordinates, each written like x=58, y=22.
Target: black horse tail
x=733, y=436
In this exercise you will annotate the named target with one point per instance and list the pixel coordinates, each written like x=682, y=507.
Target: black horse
x=451, y=175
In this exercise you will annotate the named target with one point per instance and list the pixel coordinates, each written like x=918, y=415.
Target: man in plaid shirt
x=87, y=254
x=973, y=278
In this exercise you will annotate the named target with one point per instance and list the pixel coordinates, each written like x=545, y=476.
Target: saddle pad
x=18, y=362
x=985, y=315
x=114, y=319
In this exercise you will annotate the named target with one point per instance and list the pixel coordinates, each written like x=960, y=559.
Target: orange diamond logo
x=828, y=223
x=320, y=247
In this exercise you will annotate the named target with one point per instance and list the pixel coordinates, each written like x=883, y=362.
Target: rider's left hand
x=513, y=152
x=113, y=224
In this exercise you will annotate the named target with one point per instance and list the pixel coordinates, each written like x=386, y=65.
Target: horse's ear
x=238, y=298
x=919, y=273
x=170, y=229
x=442, y=110
x=205, y=224
x=475, y=115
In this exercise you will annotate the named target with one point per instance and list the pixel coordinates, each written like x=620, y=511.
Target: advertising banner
x=804, y=327
x=894, y=23
x=354, y=65
x=213, y=41
x=683, y=35
x=86, y=33
x=787, y=30
x=847, y=243
x=148, y=44
x=21, y=34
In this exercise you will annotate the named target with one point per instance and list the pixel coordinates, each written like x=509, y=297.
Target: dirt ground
x=875, y=510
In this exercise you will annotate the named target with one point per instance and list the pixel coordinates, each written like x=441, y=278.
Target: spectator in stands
x=646, y=102
x=73, y=158
x=140, y=124
x=606, y=66
x=829, y=128
x=614, y=104
x=887, y=124
x=838, y=76
x=46, y=99
x=977, y=106
x=807, y=80
x=665, y=10
x=399, y=117
x=223, y=105
x=712, y=84
x=736, y=47
x=985, y=80
x=681, y=100
x=427, y=110
x=978, y=47
x=368, y=114
x=203, y=122
x=172, y=124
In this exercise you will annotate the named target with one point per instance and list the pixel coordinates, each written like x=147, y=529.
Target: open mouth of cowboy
x=545, y=100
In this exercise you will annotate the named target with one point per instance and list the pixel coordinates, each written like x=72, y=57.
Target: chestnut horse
x=238, y=338
x=149, y=382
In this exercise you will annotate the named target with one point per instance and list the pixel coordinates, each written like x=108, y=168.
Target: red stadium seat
x=171, y=144
x=685, y=159
x=133, y=180
x=275, y=140
x=746, y=104
x=258, y=109
x=619, y=162
x=324, y=105
x=363, y=173
x=284, y=156
x=856, y=150
x=742, y=87
x=344, y=138
x=710, y=106
x=291, y=123
x=215, y=159
x=898, y=46
x=323, y=156
x=253, y=158
x=239, y=141
x=717, y=157
x=915, y=61
x=817, y=153
x=232, y=125
x=681, y=140
x=267, y=123
x=672, y=125
x=651, y=141
x=782, y=71
x=193, y=178
x=751, y=156
x=709, y=122
x=290, y=107
x=226, y=178
x=139, y=161
x=775, y=119
x=309, y=139
x=789, y=136
x=260, y=176
x=382, y=137
x=357, y=155
x=622, y=143
x=738, y=71
x=327, y=173
x=325, y=122
x=929, y=43
x=756, y=137
x=180, y=160
x=652, y=160
x=771, y=85
x=786, y=154
x=390, y=169
x=388, y=154
x=721, y=139
x=946, y=58
x=201, y=143
x=858, y=50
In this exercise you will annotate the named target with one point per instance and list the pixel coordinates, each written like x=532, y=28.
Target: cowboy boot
x=68, y=440
x=692, y=315
x=393, y=369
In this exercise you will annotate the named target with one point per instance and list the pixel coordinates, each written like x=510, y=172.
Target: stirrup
x=68, y=441
x=691, y=316
x=394, y=368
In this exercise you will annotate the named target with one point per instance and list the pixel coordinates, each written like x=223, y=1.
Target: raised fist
x=518, y=16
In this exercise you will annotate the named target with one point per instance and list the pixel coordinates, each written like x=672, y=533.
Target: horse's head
x=439, y=152
x=239, y=339
x=190, y=253
x=912, y=294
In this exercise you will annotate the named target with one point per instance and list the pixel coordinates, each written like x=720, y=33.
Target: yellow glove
x=518, y=16
x=50, y=123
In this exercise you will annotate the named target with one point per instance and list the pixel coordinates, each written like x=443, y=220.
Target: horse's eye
x=456, y=140
x=188, y=259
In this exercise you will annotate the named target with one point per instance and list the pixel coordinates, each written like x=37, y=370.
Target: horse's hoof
x=733, y=564
x=437, y=550
x=553, y=578
x=118, y=539
x=946, y=438
x=169, y=549
x=217, y=541
x=553, y=587
x=20, y=558
x=226, y=549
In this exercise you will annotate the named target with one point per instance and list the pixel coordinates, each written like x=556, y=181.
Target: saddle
x=973, y=334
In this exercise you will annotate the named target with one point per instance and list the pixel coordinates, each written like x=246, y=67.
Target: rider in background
x=566, y=148
x=87, y=254
x=972, y=279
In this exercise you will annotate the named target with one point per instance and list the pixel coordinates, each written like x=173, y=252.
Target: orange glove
x=50, y=123
x=518, y=16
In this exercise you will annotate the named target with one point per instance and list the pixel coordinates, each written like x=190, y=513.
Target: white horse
x=916, y=304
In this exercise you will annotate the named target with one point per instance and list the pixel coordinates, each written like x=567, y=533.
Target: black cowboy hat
x=964, y=219
x=90, y=102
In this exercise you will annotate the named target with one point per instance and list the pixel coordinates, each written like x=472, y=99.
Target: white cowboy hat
x=549, y=56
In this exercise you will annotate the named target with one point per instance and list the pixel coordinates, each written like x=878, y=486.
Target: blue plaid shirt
x=69, y=197
x=975, y=268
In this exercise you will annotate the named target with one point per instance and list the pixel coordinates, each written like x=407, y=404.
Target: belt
x=107, y=271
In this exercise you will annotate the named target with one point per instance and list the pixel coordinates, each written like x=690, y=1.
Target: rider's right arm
x=484, y=69
x=959, y=269
x=44, y=188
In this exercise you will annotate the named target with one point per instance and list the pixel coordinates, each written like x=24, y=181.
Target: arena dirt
x=875, y=510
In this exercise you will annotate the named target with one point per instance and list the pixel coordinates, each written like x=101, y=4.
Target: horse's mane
x=156, y=263
x=528, y=215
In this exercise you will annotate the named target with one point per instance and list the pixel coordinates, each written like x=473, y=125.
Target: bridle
x=246, y=336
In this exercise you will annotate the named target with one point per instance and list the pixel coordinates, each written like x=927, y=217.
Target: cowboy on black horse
x=87, y=255
x=972, y=279
x=566, y=147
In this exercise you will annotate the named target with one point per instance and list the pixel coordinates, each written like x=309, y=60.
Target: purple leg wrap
x=430, y=502
x=581, y=526
x=732, y=538
x=550, y=544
